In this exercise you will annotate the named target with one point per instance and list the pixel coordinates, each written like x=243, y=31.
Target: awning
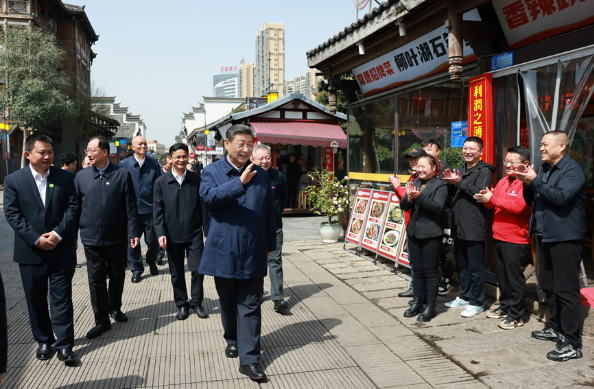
x=301, y=133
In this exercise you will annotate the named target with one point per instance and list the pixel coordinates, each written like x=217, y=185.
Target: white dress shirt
x=178, y=178
x=140, y=163
x=237, y=168
x=41, y=182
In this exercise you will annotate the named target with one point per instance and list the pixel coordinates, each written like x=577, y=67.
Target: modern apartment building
x=269, y=72
x=246, y=80
x=228, y=88
x=307, y=85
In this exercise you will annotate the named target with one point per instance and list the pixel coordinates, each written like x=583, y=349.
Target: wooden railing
x=18, y=7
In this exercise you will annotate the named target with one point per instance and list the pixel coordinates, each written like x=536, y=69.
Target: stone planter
x=330, y=232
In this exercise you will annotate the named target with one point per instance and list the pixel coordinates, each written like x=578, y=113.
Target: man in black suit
x=40, y=204
x=178, y=222
x=108, y=224
x=3, y=332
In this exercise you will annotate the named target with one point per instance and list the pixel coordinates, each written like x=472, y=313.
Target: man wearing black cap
x=413, y=157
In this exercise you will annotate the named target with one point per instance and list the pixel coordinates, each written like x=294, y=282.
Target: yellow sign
x=117, y=142
x=206, y=132
x=375, y=177
x=4, y=126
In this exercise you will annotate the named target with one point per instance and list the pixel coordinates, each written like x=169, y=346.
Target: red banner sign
x=328, y=162
x=480, y=113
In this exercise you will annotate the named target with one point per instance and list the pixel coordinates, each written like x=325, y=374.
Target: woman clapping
x=425, y=198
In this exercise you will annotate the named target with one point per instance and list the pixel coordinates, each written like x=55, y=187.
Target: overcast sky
x=158, y=57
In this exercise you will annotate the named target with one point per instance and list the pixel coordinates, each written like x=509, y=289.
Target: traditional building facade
x=130, y=125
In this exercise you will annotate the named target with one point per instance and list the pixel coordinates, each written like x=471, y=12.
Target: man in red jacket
x=511, y=250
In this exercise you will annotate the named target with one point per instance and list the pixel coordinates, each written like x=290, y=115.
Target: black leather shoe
x=67, y=356
x=253, y=371
x=231, y=351
x=77, y=266
x=154, y=268
x=408, y=293
x=182, y=313
x=415, y=308
x=44, y=351
x=424, y=301
x=118, y=316
x=98, y=330
x=280, y=305
x=200, y=311
x=428, y=312
x=159, y=261
x=136, y=278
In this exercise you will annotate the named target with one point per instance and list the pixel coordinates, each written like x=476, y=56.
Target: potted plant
x=328, y=195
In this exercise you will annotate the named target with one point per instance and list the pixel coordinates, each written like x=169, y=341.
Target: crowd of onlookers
x=448, y=208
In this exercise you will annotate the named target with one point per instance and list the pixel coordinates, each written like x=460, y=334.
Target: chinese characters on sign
x=480, y=112
x=528, y=21
x=422, y=57
x=328, y=162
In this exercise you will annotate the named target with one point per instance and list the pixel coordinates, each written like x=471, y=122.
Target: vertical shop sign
x=328, y=162
x=393, y=231
x=375, y=220
x=358, y=214
x=480, y=113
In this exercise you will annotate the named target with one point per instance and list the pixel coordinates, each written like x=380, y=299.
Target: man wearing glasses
x=262, y=158
x=558, y=197
x=108, y=226
x=144, y=172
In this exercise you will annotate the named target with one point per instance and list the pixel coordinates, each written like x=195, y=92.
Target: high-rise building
x=307, y=85
x=218, y=78
x=269, y=72
x=246, y=80
x=227, y=88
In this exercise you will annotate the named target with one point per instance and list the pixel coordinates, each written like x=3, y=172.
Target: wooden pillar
x=455, y=41
x=332, y=96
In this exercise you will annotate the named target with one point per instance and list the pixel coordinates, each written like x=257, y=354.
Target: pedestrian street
x=344, y=329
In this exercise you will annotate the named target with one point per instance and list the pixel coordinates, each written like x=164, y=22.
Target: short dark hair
x=103, y=142
x=164, y=158
x=31, y=139
x=68, y=158
x=476, y=140
x=521, y=151
x=429, y=142
x=238, y=129
x=178, y=146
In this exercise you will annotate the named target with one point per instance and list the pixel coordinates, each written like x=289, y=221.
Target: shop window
x=371, y=137
x=428, y=113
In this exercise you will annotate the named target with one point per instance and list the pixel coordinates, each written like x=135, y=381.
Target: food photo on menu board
x=354, y=230
x=393, y=231
x=375, y=220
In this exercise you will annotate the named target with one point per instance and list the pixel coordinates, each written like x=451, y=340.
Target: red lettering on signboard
x=388, y=67
x=361, y=79
x=515, y=14
x=480, y=113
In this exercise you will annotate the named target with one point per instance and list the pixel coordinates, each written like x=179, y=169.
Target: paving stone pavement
x=344, y=329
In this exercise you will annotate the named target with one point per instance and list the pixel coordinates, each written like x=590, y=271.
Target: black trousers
x=559, y=272
x=152, y=243
x=470, y=257
x=58, y=274
x=424, y=258
x=446, y=256
x=509, y=261
x=176, y=253
x=241, y=315
x=292, y=187
x=3, y=330
x=105, y=261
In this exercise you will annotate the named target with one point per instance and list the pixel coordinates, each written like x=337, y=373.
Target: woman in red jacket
x=511, y=250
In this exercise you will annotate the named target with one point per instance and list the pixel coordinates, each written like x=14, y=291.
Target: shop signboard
x=358, y=215
x=502, y=61
x=420, y=58
x=480, y=113
x=375, y=220
x=328, y=159
x=393, y=232
x=528, y=21
x=459, y=133
x=113, y=150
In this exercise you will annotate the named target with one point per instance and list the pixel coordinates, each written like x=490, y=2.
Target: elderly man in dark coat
x=241, y=235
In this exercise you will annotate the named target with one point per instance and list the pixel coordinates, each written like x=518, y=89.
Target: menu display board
x=375, y=219
x=358, y=215
x=393, y=232
x=403, y=255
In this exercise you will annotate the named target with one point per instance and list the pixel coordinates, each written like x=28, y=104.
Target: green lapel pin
x=51, y=185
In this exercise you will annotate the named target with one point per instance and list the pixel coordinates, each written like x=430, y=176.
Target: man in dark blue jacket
x=144, y=172
x=558, y=217
x=108, y=224
x=178, y=222
x=262, y=158
x=241, y=234
x=40, y=204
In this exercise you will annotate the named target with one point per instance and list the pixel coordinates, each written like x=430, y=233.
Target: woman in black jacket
x=425, y=198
